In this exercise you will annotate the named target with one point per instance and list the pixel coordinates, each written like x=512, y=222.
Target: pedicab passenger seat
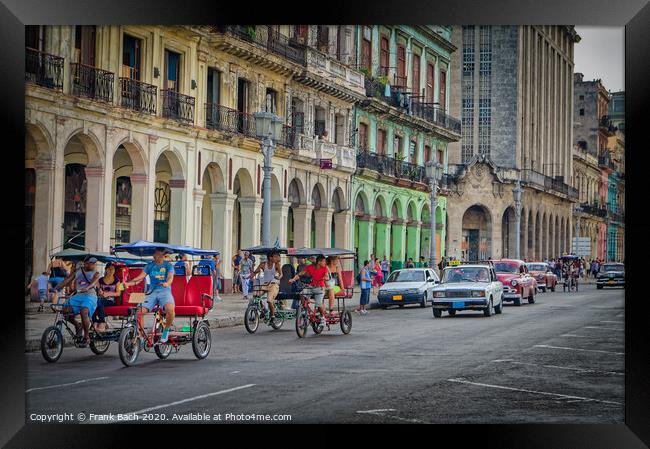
x=197, y=299
x=287, y=291
x=348, y=279
x=121, y=309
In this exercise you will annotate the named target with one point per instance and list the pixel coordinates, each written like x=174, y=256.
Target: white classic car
x=407, y=286
x=468, y=287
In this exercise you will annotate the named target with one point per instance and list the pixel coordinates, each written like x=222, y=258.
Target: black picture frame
x=633, y=14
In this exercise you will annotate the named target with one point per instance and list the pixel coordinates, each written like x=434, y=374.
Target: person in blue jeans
x=366, y=285
x=161, y=275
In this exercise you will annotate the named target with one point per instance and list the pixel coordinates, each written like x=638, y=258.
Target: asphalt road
x=560, y=360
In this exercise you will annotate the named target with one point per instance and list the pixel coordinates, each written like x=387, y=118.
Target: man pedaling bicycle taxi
x=319, y=274
x=161, y=274
x=272, y=273
x=84, y=301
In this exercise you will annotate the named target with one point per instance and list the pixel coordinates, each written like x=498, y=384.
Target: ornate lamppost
x=434, y=173
x=516, y=193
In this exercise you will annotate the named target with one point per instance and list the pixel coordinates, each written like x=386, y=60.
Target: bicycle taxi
x=258, y=309
x=570, y=273
x=307, y=315
x=52, y=340
x=193, y=299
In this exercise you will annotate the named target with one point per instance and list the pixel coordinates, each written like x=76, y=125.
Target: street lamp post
x=268, y=127
x=577, y=210
x=434, y=173
x=517, y=197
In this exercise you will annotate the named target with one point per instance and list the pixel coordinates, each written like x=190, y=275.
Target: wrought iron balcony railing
x=177, y=106
x=91, y=82
x=44, y=69
x=432, y=113
x=264, y=36
x=548, y=183
x=138, y=96
x=392, y=167
x=594, y=209
x=605, y=160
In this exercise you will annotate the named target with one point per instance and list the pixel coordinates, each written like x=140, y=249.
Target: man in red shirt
x=319, y=275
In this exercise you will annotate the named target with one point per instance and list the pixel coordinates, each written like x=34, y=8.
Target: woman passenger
x=335, y=283
x=109, y=289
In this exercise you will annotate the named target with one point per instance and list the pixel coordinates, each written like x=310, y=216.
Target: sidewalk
x=227, y=313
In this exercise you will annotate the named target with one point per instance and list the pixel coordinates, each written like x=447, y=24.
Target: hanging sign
x=326, y=164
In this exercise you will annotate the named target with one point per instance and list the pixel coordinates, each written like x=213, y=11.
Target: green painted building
x=400, y=126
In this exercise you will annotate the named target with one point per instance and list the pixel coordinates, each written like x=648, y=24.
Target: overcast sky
x=601, y=54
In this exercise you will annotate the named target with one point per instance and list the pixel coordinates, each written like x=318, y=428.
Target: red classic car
x=546, y=279
x=518, y=284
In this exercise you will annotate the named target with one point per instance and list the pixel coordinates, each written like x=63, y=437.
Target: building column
x=94, y=207
x=496, y=244
x=198, y=217
x=545, y=237
x=323, y=227
x=279, y=216
x=382, y=228
x=251, y=220
x=532, y=252
x=523, y=245
x=43, y=213
x=302, y=225
x=177, y=211
x=223, y=205
x=398, y=239
x=414, y=241
x=140, y=203
x=364, y=238
x=342, y=222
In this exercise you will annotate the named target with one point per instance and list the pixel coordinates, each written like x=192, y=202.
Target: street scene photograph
x=358, y=224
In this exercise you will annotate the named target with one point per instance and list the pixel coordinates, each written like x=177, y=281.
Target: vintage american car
x=546, y=279
x=611, y=275
x=517, y=282
x=407, y=286
x=468, y=287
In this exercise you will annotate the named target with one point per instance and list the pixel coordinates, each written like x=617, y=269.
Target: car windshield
x=406, y=276
x=537, y=267
x=465, y=274
x=505, y=267
x=613, y=267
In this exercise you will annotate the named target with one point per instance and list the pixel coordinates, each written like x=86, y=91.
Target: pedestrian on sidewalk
x=385, y=269
x=409, y=263
x=218, y=275
x=245, y=270
x=43, y=285
x=366, y=284
x=236, y=281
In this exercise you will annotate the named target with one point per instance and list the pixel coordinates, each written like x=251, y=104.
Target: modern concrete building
x=146, y=132
x=401, y=124
x=512, y=87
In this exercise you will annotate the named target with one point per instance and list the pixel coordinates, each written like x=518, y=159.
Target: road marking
x=578, y=349
x=194, y=398
x=582, y=370
x=605, y=328
x=381, y=412
x=234, y=372
x=66, y=385
x=615, y=322
x=566, y=396
x=574, y=335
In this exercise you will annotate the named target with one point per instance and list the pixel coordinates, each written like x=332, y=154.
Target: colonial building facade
x=146, y=132
x=401, y=124
x=512, y=87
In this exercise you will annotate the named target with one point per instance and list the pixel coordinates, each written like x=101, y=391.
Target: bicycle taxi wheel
x=346, y=322
x=201, y=340
x=129, y=345
x=98, y=346
x=302, y=321
x=252, y=318
x=52, y=344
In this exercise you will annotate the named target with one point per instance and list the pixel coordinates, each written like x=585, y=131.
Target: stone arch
x=213, y=180
x=338, y=200
x=412, y=211
x=243, y=183
x=477, y=232
x=318, y=191
x=361, y=204
x=91, y=144
x=296, y=190
x=38, y=143
x=136, y=153
x=508, y=233
x=175, y=161
x=397, y=208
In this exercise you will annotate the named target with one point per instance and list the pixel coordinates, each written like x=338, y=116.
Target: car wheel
x=489, y=309
x=499, y=309
x=437, y=313
x=423, y=303
x=599, y=287
x=543, y=289
x=451, y=312
x=384, y=306
x=517, y=301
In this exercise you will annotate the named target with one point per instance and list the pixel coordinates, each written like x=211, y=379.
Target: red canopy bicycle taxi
x=193, y=299
x=308, y=313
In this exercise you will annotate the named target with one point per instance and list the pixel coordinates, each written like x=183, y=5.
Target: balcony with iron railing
x=91, y=82
x=138, y=96
x=596, y=210
x=177, y=106
x=391, y=167
x=230, y=120
x=265, y=37
x=432, y=113
x=547, y=183
x=44, y=69
x=605, y=160
x=605, y=123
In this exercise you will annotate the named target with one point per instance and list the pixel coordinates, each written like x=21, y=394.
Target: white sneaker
x=364, y=312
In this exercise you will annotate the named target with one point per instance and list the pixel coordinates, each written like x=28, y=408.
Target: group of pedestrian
x=243, y=264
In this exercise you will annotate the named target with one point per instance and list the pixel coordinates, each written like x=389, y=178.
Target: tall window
x=123, y=209
x=131, y=57
x=401, y=66
x=441, y=157
x=172, y=70
x=35, y=37
x=381, y=141
x=270, y=101
x=214, y=86
x=162, y=196
x=322, y=38
x=384, y=57
x=416, y=74
x=366, y=48
x=413, y=153
x=427, y=153
x=443, y=90
x=467, y=94
x=397, y=146
x=363, y=136
x=431, y=73
x=84, y=43
x=485, y=91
